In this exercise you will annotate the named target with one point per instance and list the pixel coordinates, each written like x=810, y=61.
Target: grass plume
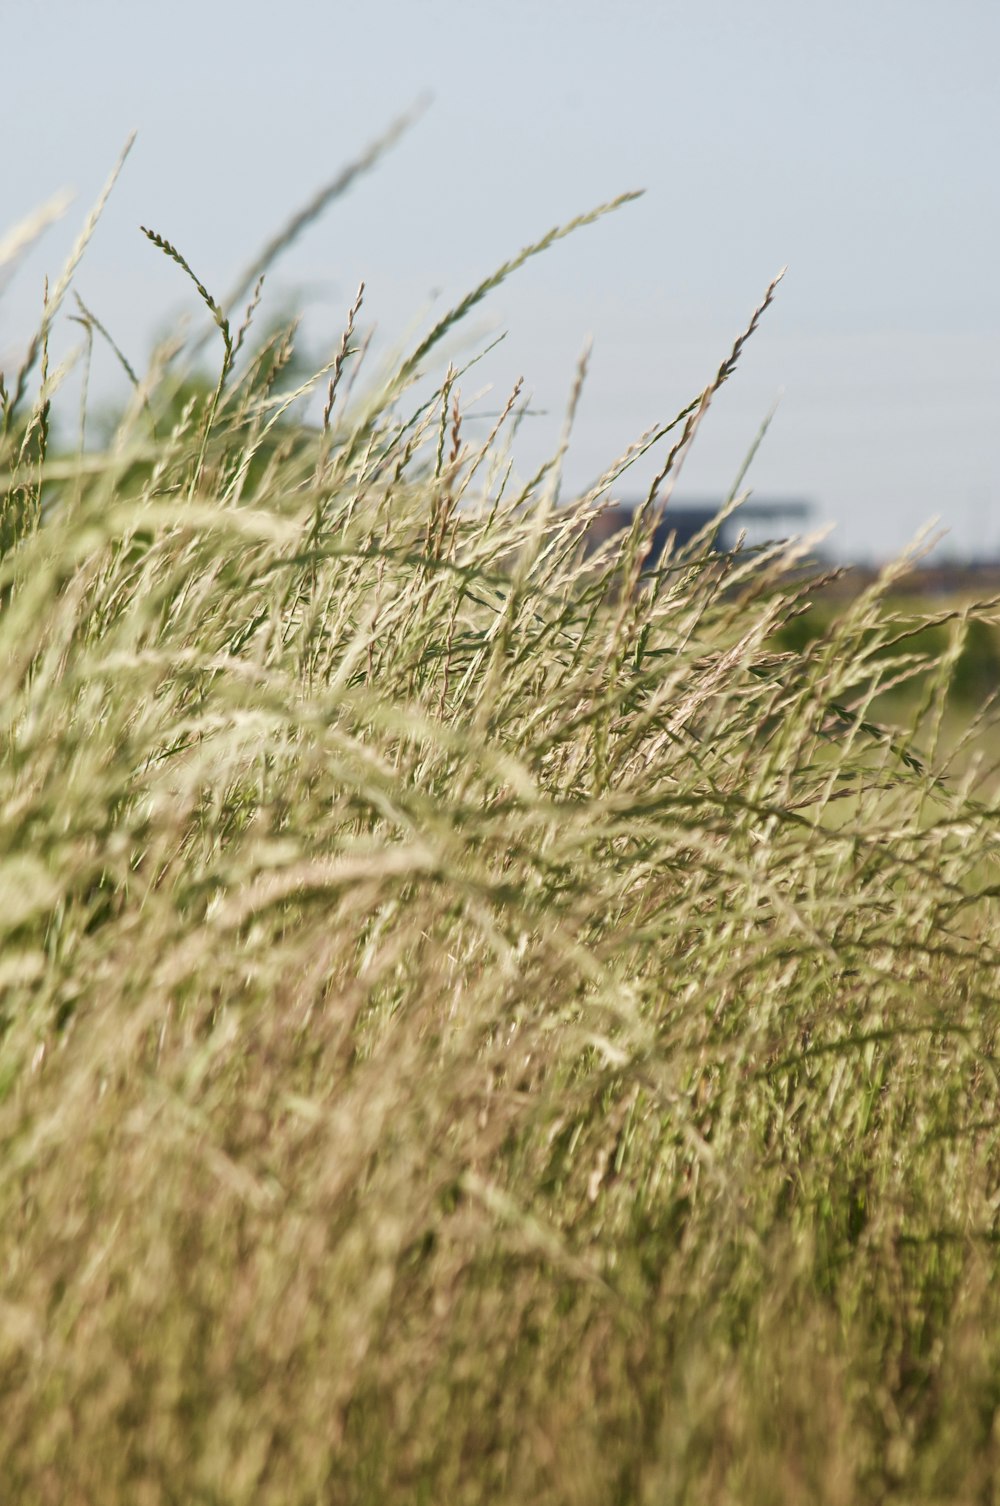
x=481, y=1018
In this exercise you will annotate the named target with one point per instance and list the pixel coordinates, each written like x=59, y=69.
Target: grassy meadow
x=481, y=1020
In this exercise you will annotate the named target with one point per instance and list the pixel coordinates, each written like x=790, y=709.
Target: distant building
x=762, y=520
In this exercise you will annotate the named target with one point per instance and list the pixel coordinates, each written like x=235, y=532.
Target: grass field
x=480, y=1023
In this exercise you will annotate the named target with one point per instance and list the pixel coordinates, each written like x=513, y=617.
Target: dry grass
x=454, y=1046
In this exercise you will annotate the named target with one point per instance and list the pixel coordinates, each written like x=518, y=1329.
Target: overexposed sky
x=857, y=143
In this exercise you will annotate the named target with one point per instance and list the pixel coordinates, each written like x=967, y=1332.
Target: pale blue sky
x=855, y=142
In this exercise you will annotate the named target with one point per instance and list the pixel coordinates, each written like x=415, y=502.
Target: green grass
x=477, y=1025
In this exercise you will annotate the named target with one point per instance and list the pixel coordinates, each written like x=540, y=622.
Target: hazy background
x=856, y=142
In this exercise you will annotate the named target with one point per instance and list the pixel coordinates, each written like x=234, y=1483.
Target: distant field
x=475, y=1025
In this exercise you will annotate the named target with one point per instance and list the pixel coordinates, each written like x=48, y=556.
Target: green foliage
x=973, y=678
x=476, y=1025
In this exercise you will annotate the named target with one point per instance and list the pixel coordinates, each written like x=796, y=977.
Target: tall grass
x=480, y=1021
